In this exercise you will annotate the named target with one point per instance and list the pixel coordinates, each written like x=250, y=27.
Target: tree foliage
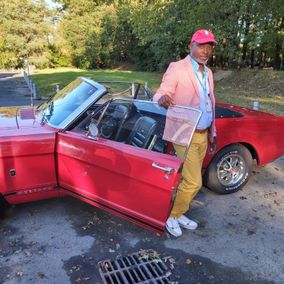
x=24, y=32
x=146, y=33
x=150, y=34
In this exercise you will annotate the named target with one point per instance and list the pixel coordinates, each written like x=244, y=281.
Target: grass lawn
x=46, y=80
x=246, y=86
x=241, y=88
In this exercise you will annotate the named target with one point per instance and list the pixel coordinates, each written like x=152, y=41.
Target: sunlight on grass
x=268, y=103
x=245, y=86
x=47, y=79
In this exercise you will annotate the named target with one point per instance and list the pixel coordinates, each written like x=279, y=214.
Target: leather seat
x=142, y=132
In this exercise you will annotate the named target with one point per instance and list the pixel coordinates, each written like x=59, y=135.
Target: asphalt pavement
x=14, y=90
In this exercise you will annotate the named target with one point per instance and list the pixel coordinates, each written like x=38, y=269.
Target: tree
x=24, y=31
x=88, y=30
x=146, y=33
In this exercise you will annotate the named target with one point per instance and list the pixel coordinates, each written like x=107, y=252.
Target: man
x=189, y=82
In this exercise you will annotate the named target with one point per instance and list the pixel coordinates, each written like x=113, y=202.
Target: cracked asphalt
x=240, y=238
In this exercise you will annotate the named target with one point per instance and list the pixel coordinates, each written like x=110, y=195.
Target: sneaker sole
x=172, y=233
x=188, y=228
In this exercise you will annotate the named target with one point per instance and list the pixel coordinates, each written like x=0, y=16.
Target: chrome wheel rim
x=231, y=169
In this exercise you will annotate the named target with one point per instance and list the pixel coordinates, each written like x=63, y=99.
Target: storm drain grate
x=134, y=269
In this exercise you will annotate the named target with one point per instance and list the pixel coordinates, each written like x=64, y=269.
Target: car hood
x=18, y=118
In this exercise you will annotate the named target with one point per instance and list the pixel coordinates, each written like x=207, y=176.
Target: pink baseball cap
x=203, y=36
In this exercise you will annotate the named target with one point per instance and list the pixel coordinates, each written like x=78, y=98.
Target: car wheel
x=229, y=170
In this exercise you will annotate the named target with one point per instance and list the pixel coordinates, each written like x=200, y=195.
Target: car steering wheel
x=108, y=127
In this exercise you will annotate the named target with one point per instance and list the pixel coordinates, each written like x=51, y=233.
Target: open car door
x=121, y=159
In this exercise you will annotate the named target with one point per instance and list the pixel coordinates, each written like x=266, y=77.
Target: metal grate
x=134, y=269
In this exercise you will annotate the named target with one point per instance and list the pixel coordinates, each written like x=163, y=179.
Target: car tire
x=229, y=170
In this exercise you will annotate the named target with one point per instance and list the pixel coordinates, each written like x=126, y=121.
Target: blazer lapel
x=210, y=82
x=191, y=74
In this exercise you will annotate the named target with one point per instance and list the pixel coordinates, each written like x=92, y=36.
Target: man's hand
x=166, y=101
x=212, y=145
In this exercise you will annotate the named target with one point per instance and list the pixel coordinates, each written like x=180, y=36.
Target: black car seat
x=110, y=126
x=142, y=132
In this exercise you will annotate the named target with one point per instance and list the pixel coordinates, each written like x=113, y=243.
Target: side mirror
x=93, y=131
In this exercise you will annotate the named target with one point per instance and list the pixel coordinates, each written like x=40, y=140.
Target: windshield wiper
x=46, y=101
x=43, y=119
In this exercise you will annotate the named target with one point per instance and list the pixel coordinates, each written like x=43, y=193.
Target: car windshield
x=70, y=102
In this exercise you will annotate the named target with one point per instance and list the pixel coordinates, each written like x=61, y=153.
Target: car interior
x=225, y=112
x=129, y=122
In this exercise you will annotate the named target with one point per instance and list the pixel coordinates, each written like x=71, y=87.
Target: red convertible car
x=117, y=154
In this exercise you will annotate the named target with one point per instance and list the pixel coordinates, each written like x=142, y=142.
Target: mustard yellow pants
x=191, y=173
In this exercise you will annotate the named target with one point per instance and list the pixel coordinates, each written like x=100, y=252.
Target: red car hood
x=18, y=118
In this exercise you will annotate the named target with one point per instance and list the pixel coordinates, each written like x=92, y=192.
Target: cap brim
x=202, y=41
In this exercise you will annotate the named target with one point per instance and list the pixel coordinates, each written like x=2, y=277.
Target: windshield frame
x=100, y=91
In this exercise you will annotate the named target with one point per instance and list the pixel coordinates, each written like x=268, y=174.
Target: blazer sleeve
x=168, y=84
x=213, y=132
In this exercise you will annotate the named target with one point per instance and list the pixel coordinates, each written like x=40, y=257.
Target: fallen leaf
x=251, y=231
x=168, y=273
x=41, y=274
x=28, y=253
x=20, y=273
x=188, y=261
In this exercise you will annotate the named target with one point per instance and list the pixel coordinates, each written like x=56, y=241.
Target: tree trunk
x=277, y=58
x=278, y=49
x=260, y=59
x=245, y=44
x=252, y=58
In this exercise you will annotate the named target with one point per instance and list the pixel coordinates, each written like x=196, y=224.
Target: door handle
x=168, y=170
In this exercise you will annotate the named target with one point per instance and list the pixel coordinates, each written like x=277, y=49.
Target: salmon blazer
x=180, y=83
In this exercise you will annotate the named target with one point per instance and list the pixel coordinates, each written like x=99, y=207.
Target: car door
x=122, y=175
x=27, y=164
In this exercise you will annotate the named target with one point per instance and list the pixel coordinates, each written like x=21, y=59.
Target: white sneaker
x=173, y=227
x=186, y=223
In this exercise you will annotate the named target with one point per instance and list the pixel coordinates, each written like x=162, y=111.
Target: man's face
x=201, y=52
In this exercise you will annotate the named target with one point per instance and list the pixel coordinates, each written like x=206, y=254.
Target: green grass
x=246, y=86
x=46, y=80
x=241, y=88
x=268, y=102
